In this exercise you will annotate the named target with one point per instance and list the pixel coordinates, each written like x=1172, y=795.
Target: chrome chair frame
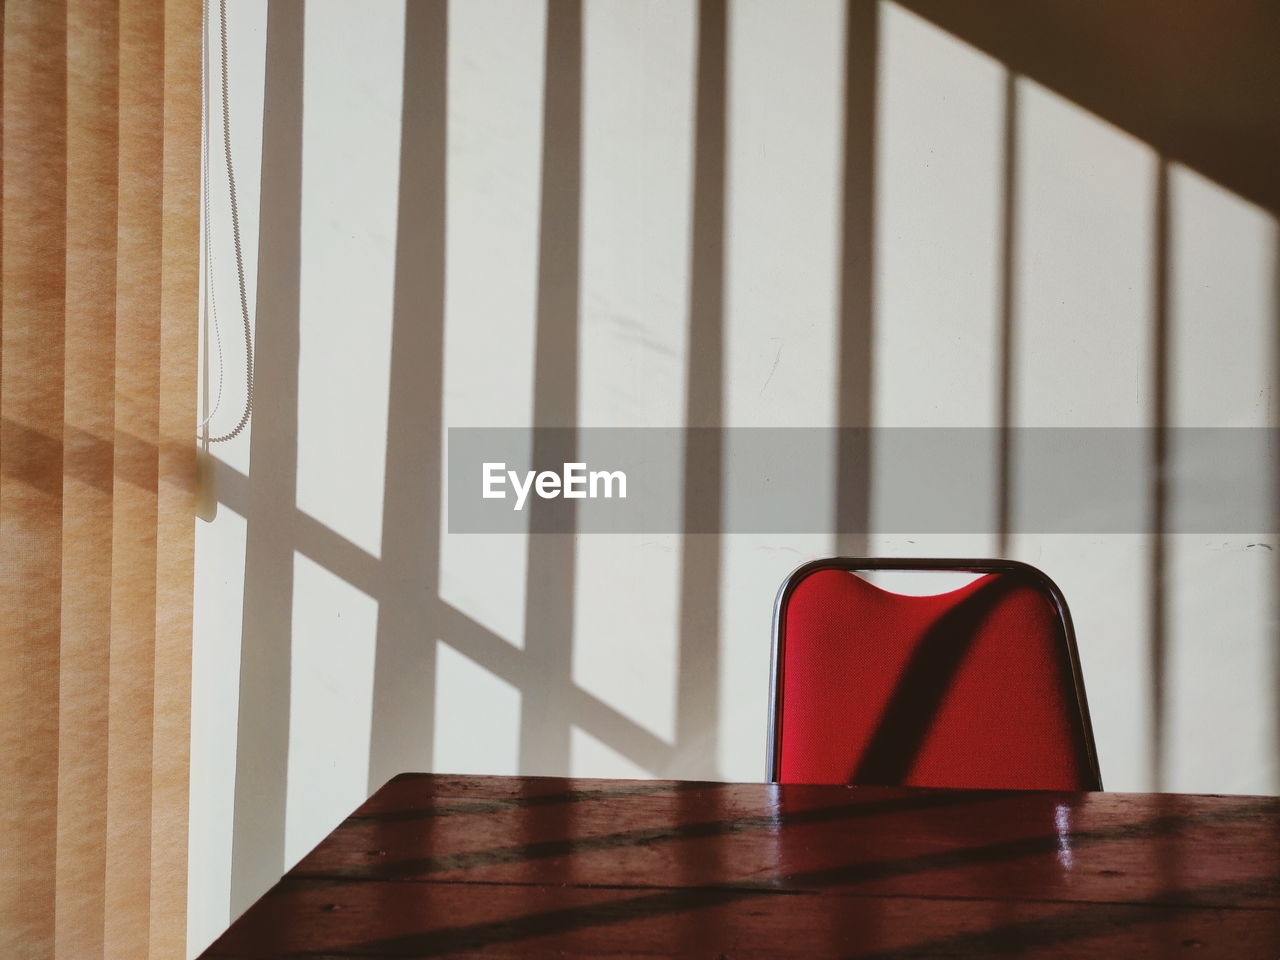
x=855, y=564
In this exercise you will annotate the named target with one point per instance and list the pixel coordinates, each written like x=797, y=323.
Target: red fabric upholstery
x=971, y=688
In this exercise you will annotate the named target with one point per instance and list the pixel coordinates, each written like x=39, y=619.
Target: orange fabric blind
x=99, y=259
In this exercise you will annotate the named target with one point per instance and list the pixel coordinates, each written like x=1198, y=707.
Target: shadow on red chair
x=978, y=687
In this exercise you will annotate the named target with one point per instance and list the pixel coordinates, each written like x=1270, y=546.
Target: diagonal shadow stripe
x=1008, y=939
x=1011, y=939
x=913, y=707
x=366, y=572
x=456, y=940
x=1043, y=844
x=568, y=846
x=463, y=806
x=571, y=919
x=88, y=458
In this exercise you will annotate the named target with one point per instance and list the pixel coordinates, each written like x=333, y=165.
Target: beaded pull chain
x=235, y=233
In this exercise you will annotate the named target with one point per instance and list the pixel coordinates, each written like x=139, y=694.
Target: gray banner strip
x=918, y=480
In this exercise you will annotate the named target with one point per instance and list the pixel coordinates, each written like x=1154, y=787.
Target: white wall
x=613, y=660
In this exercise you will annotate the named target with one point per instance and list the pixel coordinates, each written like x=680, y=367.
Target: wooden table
x=451, y=866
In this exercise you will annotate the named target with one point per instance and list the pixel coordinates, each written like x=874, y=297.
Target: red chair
x=979, y=687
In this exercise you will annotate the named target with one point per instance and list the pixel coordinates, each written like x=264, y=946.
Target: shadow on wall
x=1201, y=86
x=411, y=615
x=1198, y=82
x=267, y=503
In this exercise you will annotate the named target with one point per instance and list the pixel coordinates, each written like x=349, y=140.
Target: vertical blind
x=98, y=318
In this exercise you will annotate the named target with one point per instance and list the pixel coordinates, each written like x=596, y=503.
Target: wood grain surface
x=449, y=866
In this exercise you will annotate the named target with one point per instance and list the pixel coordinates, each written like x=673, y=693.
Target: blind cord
x=210, y=289
x=235, y=234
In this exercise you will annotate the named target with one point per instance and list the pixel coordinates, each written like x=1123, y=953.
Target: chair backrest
x=979, y=687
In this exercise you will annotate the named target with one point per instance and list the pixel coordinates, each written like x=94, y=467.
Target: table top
x=462, y=866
